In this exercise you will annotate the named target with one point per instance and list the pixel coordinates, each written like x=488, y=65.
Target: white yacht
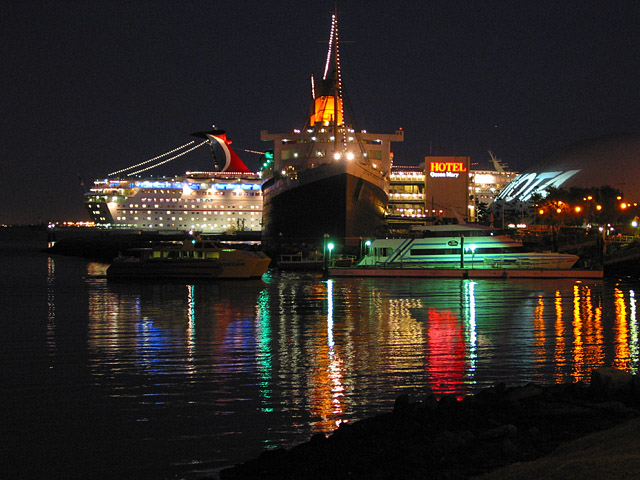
x=460, y=246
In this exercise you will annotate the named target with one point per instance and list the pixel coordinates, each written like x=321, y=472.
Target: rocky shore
x=448, y=438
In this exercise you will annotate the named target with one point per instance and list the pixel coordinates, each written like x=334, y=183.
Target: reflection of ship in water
x=326, y=178
x=318, y=348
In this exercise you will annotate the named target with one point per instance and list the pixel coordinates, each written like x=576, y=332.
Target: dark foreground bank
x=446, y=438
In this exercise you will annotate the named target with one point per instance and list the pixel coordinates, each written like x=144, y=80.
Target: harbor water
x=154, y=379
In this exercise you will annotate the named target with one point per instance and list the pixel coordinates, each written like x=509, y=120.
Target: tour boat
x=189, y=259
x=460, y=246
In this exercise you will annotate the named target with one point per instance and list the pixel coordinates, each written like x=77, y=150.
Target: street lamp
x=330, y=248
x=472, y=247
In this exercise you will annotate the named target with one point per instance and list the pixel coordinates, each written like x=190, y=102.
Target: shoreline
x=446, y=438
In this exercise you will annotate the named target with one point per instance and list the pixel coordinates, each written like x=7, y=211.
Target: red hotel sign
x=447, y=169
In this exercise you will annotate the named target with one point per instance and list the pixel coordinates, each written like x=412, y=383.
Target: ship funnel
x=232, y=162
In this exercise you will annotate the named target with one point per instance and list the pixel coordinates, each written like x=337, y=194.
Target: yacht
x=189, y=259
x=459, y=246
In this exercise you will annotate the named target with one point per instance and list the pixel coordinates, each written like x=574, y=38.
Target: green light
x=330, y=246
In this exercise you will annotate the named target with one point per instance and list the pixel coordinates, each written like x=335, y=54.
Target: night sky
x=91, y=87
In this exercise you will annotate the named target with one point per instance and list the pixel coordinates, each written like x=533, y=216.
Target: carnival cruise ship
x=225, y=201
x=326, y=178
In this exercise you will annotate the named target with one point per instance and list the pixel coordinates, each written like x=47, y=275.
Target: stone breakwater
x=448, y=438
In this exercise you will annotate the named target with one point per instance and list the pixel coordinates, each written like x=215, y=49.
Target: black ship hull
x=344, y=206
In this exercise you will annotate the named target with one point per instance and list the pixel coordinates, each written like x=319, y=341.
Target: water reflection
x=51, y=308
x=319, y=352
x=326, y=337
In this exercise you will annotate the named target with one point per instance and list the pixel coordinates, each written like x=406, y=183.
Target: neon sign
x=447, y=169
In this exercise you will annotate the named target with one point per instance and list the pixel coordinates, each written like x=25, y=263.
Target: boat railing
x=342, y=261
x=620, y=238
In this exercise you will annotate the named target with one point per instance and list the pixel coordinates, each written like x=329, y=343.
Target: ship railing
x=620, y=238
x=342, y=261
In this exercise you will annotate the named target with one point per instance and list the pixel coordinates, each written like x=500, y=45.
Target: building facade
x=443, y=190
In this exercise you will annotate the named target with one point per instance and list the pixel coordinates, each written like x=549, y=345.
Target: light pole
x=330, y=248
x=324, y=252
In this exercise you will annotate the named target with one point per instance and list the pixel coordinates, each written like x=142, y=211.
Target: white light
x=350, y=156
x=336, y=155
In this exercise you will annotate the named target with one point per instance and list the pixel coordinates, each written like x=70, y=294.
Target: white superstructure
x=210, y=202
x=460, y=246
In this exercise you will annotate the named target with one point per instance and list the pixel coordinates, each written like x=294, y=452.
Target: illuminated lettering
x=448, y=167
x=523, y=187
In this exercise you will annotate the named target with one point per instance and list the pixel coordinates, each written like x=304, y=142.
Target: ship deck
x=471, y=273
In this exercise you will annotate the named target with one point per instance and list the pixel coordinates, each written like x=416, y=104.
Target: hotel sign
x=446, y=169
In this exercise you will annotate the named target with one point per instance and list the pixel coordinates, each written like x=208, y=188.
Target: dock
x=498, y=273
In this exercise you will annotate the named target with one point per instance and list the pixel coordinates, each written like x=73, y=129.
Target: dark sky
x=91, y=87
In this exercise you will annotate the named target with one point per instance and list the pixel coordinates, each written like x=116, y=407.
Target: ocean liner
x=327, y=178
x=224, y=201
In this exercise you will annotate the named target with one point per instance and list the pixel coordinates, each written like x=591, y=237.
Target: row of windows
x=132, y=205
x=235, y=193
x=122, y=218
x=456, y=251
x=186, y=212
x=214, y=226
x=192, y=200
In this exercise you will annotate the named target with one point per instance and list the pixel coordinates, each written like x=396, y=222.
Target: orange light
x=623, y=206
x=578, y=209
x=598, y=207
x=559, y=210
x=541, y=212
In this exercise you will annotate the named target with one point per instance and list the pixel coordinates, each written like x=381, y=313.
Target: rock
x=533, y=432
x=448, y=441
x=520, y=393
x=610, y=380
x=509, y=447
x=500, y=432
x=402, y=404
x=318, y=439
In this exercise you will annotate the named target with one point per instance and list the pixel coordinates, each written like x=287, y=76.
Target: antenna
x=498, y=165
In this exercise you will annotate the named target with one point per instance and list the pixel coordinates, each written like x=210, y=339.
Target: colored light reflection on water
x=320, y=352
x=194, y=376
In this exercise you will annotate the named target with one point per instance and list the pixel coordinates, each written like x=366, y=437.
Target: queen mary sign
x=447, y=184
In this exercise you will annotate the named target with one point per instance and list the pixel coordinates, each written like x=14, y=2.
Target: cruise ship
x=326, y=179
x=228, y=200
